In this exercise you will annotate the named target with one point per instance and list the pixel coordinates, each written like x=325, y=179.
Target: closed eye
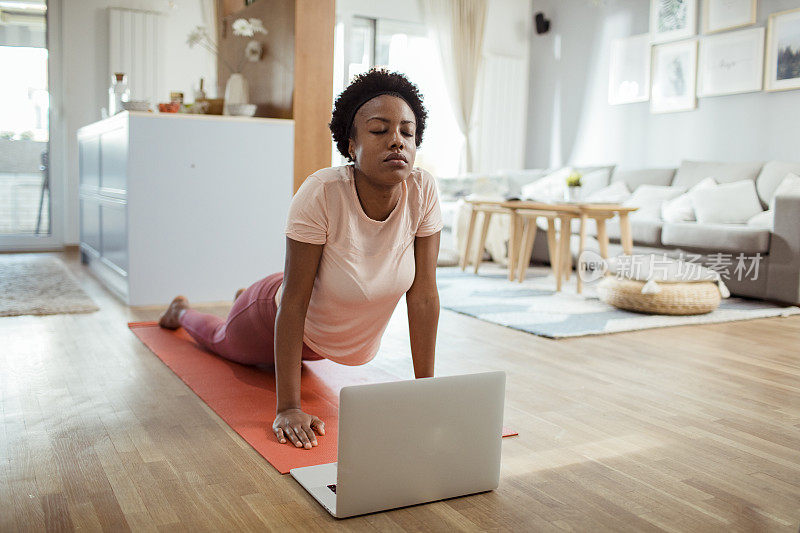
x=405, y=133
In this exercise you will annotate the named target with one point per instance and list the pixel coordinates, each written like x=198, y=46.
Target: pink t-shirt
x=366, y=264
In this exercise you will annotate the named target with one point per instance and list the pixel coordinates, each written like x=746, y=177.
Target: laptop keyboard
x=332, y=487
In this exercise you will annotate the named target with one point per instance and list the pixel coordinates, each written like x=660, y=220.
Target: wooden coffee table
x=565, y=212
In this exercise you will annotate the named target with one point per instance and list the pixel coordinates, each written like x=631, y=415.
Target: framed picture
x=731, y=63
x=783, y=51
x=629, y=72
x=719, y=15
x=674, y=77
x=671, y=20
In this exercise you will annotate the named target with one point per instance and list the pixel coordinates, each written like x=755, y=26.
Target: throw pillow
x=763, y=220
x=789, y=184
x=615, y=193
x=648, y=198
x=680, y=209
x=592, y=182
x=549, y=188
x=728, y=203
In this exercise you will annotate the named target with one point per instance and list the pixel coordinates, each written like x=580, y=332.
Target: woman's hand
x=298, y=427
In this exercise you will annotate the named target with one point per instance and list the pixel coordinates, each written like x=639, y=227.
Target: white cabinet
x=184, y=204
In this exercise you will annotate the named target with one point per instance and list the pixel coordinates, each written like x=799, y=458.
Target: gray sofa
x=778, y=276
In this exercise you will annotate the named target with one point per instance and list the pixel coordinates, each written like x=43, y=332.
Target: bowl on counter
x=242, y=110
x=171, y=107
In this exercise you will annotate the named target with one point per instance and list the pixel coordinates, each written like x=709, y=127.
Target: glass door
x=26, y=184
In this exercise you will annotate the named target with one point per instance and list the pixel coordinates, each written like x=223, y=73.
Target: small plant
x=574, y=179
x=7, y=135
x=26, y=135
x=241, y=27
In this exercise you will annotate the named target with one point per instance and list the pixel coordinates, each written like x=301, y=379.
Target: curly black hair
x=364, y=87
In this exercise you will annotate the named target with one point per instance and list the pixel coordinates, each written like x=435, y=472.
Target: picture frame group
x=671, y=65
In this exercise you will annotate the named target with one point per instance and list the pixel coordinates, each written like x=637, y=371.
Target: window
x=24, y=100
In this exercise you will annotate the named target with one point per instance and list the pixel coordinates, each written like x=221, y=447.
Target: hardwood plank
x=673, y=429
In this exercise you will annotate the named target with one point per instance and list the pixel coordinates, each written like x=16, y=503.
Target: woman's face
x=383, y=140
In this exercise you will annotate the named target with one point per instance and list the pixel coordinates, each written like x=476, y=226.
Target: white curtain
x=458, y=27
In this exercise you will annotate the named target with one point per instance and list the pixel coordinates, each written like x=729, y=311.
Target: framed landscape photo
x=719, y=15
x=731, y=63
x=629, y=71
x=671, y=20
x=674, y=77
x=783, y=51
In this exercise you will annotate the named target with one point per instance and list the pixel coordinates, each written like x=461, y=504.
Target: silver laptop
x=408, y=442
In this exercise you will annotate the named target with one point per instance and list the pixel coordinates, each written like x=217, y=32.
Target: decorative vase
x=236, y=91
x=572, y=194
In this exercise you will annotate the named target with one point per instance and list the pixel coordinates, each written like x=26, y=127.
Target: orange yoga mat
x=244, y=396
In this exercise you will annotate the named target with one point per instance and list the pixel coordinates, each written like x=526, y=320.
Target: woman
x=359, y=236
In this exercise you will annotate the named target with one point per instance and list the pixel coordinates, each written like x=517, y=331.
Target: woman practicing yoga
x=359, y=236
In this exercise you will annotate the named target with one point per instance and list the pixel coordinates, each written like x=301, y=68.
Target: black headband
x=366, y=99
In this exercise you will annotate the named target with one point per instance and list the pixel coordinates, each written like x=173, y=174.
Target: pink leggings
x=247, y=336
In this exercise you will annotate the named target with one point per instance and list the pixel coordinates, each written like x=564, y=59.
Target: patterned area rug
x=39, y=284
x=535, y=307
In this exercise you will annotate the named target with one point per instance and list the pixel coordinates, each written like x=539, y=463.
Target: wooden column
x=313, y=86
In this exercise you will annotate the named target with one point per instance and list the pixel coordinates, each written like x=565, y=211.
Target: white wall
x=570, y=120
x=84, y=28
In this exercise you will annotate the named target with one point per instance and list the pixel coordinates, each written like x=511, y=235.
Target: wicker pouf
x=676, y=298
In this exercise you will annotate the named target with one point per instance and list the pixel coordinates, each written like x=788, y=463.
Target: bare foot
x=170, y=318
x=240, y=291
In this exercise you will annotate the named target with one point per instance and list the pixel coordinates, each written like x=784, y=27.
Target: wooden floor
x=692, y=428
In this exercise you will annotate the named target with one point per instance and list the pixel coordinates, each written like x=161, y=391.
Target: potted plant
x=573, y=190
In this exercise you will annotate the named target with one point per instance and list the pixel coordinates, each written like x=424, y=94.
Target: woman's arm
x=422, y=301
x=302, y=262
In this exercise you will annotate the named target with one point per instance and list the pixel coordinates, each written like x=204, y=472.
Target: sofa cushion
x=771, y=176
x=789, y=185
x=648, y=199
x=692, y=172
x=680, y=209
x=588, y=169
x=727, y=203
x=645, y=231
x=647, y=176
x=614, y=193
x=517, y=178
x=549, y=188
x=716, y=237
x=594, y=181
x=764, y=219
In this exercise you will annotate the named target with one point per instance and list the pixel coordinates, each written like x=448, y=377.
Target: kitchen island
x=184, y=204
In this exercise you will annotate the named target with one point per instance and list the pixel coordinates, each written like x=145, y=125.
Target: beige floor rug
x=534, y=306
x=39, y=284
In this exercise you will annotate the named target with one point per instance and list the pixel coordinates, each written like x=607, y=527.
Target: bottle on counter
x=200, y=94
x=118, y=93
